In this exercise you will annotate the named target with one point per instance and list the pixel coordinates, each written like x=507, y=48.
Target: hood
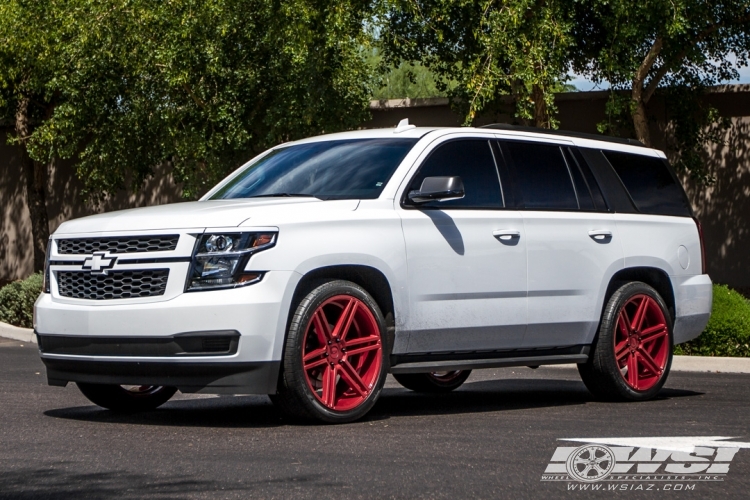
x=201, y=214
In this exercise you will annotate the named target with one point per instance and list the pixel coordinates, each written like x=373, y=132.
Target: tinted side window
x=472, y=160
x=542, y=176
x=651, y=185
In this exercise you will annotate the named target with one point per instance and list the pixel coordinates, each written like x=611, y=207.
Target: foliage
x=490, y=49
x=728, y=330
x=682, y=45
x=17, y=301
x=406, y=80
x=202, y=84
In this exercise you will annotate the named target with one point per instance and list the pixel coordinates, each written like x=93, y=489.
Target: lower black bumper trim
x=221, y=378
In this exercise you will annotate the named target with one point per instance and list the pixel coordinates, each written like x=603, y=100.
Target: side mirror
x=438, y=188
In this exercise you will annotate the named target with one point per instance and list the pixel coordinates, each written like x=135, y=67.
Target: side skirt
x=431, y=362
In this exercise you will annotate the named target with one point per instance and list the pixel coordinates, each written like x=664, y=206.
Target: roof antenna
x=403, y=126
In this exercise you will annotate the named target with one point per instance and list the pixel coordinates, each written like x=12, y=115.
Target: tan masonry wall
x=723, y=208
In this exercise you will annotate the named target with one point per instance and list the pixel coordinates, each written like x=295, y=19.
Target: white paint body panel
x=568, y=275
x=446, y=271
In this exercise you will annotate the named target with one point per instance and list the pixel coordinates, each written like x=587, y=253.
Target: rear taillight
x=704, y=269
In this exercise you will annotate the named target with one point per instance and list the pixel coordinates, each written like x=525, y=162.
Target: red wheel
x=632, y=354
x=641, y=342
x=342, y=352
x=335, y=361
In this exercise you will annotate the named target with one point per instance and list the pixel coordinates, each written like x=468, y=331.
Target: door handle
x=506, y=234
x=601, y=235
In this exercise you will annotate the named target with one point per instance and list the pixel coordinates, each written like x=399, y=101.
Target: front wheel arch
x=369, y=278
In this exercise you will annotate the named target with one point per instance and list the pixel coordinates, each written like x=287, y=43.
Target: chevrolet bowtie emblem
x=99, y=263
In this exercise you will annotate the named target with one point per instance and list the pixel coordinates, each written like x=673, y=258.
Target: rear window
x=651, y=185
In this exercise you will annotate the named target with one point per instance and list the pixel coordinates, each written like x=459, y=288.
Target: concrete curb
x=698, y=364
x=15, y=333
x=679, y=363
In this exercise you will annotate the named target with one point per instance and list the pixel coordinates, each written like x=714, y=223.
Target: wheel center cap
x=334, y=352
x=633, y=341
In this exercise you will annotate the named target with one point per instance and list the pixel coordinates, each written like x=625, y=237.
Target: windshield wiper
x=284, y=195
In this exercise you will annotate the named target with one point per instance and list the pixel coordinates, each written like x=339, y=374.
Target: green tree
x=682, y=46
x=125, y=85
x=30, y=33
x=489, y=49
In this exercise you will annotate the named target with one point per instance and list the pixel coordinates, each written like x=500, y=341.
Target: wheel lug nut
x=329, y=342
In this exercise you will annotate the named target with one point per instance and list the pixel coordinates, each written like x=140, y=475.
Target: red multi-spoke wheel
x=342, y=352
x=632, y=354
x=641, y=342
x=335, y=361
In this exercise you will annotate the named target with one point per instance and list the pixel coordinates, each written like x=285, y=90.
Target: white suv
x=324, y=264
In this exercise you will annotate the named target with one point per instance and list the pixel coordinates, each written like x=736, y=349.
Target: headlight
x=219, y=260
x=45, y=280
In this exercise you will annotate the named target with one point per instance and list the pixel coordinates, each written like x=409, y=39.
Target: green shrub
x=728, y=330
x=17, y=301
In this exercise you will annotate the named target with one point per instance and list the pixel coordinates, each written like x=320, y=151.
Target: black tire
x=295, y=397
x=121, y=399
x=602, y=374
x=433, y=382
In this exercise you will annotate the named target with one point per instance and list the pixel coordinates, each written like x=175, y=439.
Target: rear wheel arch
x=656, y=278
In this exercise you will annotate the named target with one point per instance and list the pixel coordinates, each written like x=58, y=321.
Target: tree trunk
x=36, y=187
x=541, y=112
x=639, y=100
x=640, y=122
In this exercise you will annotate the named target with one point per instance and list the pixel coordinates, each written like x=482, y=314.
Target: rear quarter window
x=651, y=184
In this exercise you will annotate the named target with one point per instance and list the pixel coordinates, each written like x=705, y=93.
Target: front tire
x=633, y=352
x=125, y=398
x=436, y=382
x=334, y=363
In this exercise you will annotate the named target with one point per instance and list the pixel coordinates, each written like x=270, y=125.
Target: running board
x=475, y=364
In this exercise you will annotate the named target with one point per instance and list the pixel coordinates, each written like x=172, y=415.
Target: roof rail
x=580, y=135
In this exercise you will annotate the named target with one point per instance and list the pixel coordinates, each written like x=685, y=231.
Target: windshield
x=330, y=170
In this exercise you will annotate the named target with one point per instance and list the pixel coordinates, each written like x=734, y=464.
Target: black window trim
x=615, y=195
x=572, y=180
x=581, y=164
x=489, y=139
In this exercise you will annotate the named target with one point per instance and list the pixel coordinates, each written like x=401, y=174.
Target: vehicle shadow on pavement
x=495, y=396
x=258, y=412
x=221, y=412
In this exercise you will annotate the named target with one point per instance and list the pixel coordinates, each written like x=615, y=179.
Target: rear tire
x=334, y=364
x=437, y=382
x=127, y=398
x=632, y=354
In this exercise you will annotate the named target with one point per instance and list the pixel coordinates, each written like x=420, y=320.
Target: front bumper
x=257, y=312
x=211, y=377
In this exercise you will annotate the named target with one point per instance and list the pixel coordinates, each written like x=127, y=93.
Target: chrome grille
x=115, y=285
x=127, y=244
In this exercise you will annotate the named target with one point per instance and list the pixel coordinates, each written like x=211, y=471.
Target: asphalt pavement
x=493, y=438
